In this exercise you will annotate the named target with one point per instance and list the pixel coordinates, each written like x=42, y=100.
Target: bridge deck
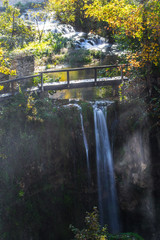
x=83, y=83
x=68, y=84
x=113, y=81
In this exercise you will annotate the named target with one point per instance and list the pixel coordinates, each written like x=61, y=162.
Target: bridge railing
x=11, y=82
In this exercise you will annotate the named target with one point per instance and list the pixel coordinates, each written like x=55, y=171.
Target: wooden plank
x=122, y=73
x=42, y=88
x=113, y=81
x=83, y=83
x=55, y=87
x=5, y=96
x=68, y=78
x=95, y=76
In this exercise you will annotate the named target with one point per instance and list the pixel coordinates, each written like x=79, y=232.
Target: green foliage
x=46, y=79
x=37, y=49
x=109, y=72
x=94, y=231
x=5, y=65
x=73, y=12
x=28, y=5
x=97, y=54
x=57, y=41
x=21, y=193
x=14, y=31
x=79, y=57
x=135, y=25
x=39, y=16
x=50, y=45
x=126, y=236
x=25, y=188
x=127, y=43
x=68, y=11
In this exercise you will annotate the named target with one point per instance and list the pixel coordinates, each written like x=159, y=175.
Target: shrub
x=79, y=57
x=94, y=231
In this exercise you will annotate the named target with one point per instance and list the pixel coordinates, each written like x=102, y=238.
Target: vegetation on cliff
x=94, y=231
x=27, y=120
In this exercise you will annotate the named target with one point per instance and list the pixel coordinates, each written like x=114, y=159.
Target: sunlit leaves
x=1, y=87
x=4, y=65
x=68, y=11
x=139, y=21
x=13, y=30
x=64, y=9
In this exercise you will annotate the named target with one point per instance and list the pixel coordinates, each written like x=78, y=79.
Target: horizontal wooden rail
x=19, y=79
x=85, y=68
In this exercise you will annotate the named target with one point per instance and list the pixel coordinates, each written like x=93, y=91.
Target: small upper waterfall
x=84, y=139
x=79, y=39
x=86, y=148
x=107, y=196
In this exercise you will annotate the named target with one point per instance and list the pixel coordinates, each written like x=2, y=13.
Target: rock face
x=13, y=2
x=24, y=65
x=133, y=167
x=43, y=170
x=43, y=164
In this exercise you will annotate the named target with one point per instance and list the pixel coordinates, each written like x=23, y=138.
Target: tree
x=69, y=11
x=137, y=23
x=13, y=30
x=40, y=16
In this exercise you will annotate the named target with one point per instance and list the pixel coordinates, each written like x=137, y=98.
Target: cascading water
x=80, y=39
x=86, y=148
x=107, y=196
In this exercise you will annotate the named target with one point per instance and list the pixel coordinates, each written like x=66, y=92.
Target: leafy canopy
x=139, y=21
x=13, y=30
x=68, y=11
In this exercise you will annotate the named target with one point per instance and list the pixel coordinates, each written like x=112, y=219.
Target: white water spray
x=107, y=196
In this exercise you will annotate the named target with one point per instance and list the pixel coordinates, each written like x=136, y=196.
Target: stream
x=80, y=39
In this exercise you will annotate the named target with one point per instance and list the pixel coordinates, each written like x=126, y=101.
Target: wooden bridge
x=96, y=81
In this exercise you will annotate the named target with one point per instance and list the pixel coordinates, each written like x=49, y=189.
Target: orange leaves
x=151, y=53
x=138, y=21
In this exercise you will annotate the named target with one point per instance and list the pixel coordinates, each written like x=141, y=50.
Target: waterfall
x=79, y=39
x=84, y=139
x=86, y=148
x=107, y=196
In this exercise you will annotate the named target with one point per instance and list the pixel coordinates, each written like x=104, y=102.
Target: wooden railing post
x=68, y=78
x=12, y=87
x=42, y=87
x=122, y=73
x=95, y=76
